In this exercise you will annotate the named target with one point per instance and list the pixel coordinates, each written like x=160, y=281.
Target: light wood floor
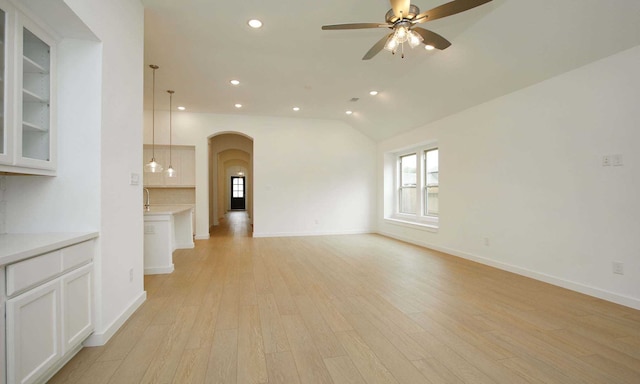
x=356, y=309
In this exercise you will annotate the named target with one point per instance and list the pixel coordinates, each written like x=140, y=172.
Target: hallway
x=356, y=309
x=234, y=224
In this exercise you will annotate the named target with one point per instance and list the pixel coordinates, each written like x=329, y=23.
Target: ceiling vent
x=354, y=99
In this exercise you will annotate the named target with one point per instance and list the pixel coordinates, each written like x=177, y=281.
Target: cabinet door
x=6, y=133
x=33, y=333
x=35, y=90
x=77, y=296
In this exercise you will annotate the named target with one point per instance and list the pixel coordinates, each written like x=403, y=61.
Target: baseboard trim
x=300, y=234
x=98, y=339
x=159, y=270
x=202, y=237
x=190, y=245
x=613, y=297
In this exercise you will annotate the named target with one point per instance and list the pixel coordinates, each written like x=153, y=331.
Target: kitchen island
x=166, y=228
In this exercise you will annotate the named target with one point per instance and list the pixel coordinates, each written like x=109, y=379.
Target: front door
x=237, y=192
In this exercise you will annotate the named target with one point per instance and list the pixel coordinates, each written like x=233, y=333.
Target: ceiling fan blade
x=448, y=9
x=400, y=7
x=432, y=38
x=355, y=26
x=377, y=47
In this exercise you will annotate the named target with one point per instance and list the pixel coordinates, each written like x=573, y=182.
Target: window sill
x=430, y=227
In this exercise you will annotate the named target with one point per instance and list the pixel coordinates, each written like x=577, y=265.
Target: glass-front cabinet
x=4, y=138
x=27, y=129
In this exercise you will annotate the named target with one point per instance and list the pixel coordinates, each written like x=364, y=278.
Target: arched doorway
x=230, y=158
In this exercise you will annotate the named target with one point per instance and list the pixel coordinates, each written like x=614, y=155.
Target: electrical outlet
x=486, y=241
x=618, y=268
x=131, y=275
x=616, y=160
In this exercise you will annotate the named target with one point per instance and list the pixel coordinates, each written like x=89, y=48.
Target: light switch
x=134, y=179
x=606, y=160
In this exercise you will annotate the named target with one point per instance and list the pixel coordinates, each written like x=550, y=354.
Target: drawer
x=77, y=255
x=31, y=272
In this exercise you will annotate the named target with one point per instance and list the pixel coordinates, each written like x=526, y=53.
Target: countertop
x=15, y=247
x=166, y=209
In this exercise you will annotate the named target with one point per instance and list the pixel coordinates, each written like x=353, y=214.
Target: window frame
x=421, y=217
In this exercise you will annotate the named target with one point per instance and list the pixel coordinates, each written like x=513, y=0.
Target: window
x=431, y=182
x=417, y=186
x=408, y=194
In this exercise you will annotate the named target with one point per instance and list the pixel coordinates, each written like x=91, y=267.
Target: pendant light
x=153, y=165
x=170, y=171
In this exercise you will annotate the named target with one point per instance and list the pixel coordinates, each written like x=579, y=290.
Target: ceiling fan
x=403, y=18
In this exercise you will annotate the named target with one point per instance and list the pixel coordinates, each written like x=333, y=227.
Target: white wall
x=525, y=171
x=119, y=24
x=310, y=177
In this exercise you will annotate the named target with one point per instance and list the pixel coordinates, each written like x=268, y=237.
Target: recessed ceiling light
x=429, y=47
x=235, y=82
x=373, y=93
x=349, y=112
x=181, y=108
x=238, y=105
x=255, y=23
x=296, y=109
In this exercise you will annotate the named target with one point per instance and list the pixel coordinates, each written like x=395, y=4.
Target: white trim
x=202, y=237
x=159, y=270
x=413, y=224
x=185, y=245
x=613, y=297
x=101, y=338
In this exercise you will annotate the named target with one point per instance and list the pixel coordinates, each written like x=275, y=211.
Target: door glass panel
x=35, y=97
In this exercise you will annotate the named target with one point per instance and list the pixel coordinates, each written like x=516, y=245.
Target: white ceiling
x=497, y=48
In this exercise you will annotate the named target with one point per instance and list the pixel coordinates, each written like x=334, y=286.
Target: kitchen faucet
x=148, y=200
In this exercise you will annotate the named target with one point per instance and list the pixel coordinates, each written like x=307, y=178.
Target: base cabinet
x=33, y=333
x=49, y=311
x=77, y=288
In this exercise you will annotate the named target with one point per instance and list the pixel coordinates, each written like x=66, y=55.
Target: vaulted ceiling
x=497, y=48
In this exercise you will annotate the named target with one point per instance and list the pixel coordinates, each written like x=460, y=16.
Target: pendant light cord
x=170, y=129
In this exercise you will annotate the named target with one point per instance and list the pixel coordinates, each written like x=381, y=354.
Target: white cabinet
x=77, y=293
x=28, y=130
x=183, y=160
x=49, y=311
x=33, y=333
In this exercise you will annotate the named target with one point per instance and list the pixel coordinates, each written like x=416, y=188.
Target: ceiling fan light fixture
x=391, y=44
x=401, y=34
x=414, y=39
